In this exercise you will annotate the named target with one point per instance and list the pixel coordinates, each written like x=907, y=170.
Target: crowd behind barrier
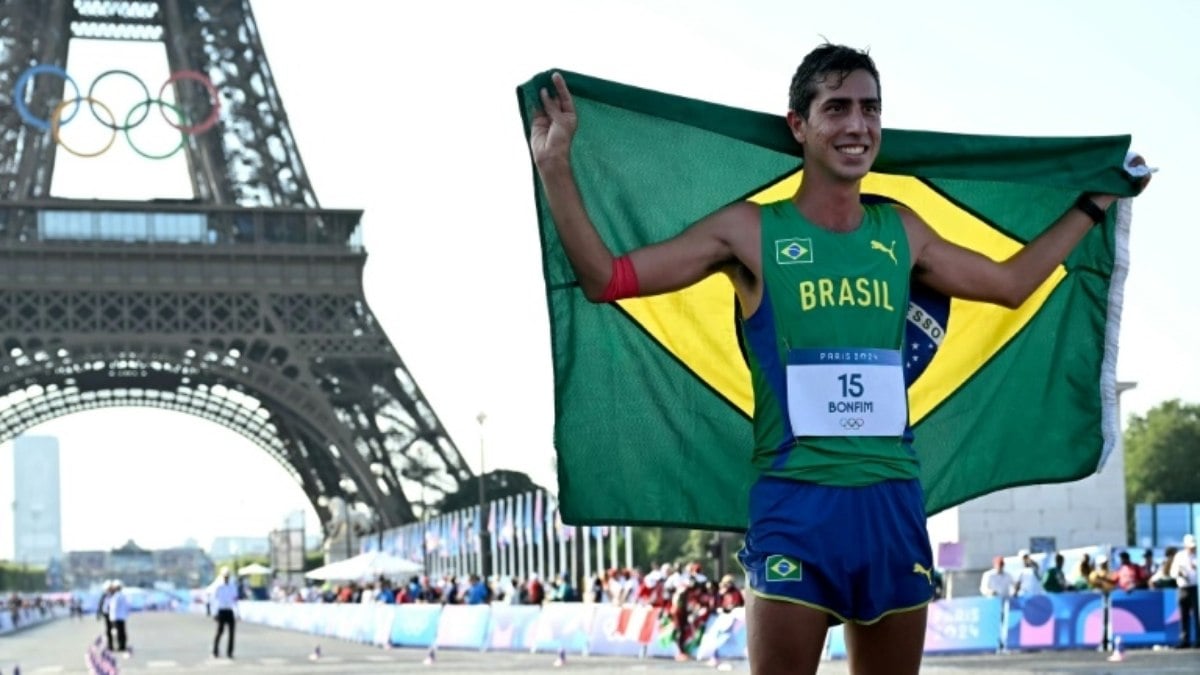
x=21, y=611
x=1075, y=620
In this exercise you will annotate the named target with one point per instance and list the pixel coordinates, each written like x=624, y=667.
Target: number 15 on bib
x=846, y=392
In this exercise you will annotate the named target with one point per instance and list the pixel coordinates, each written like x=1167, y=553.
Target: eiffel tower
x=243, y=306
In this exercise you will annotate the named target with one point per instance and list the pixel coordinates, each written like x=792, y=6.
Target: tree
x=1162, y=456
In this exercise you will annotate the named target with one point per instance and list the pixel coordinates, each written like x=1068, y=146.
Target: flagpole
x=628, y=547
x=539, y=517
x=585, y=585
x=461, y=536
x=574, y=570
x=600, y=550
x=512, y=535
x=546, y=541
x=553, y=537
x=612, y=548
x=562, y=541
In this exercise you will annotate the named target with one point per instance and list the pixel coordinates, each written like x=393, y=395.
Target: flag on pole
x=658, y=386
x=539, y=516
x=506, y=529
x=527, y=518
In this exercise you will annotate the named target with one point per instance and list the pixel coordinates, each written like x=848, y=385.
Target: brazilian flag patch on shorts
x=783, y=568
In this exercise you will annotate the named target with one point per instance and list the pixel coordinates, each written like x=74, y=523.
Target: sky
x=408, y=111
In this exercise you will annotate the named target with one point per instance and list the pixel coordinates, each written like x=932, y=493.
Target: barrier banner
x=1072, y=620
x=382, y=618
x=318, y=619
x=963, y=625
x=415, y=625
x=361, y=624
x=342, y=621
x=953, y=626
x=463, y=626
x=513, y=627
x=564, y=625
x=724, y=636
x=622, y=631
x=301, y=617
x=1144, y=618
x=1056, y=621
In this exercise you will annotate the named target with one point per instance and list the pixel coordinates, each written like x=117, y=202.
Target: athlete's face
x=841, y=133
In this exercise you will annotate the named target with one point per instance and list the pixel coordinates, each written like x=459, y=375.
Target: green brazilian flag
x=652, y=395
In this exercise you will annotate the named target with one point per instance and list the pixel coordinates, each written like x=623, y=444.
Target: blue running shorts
x=856, y=553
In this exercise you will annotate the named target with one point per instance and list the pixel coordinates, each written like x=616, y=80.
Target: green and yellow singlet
x=826, y=293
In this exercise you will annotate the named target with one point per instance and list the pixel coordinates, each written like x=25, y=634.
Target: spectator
x=224, y=601
x=1101, y=579
x=1055, y=579
x=519, y=594
x=1148, y=568
x=679, y=616
x=996, y=582
x=1183, y=571
x=478, y=592
x=535, y=589
x=563, y=591
x=1083, y=572
x=101, y=612
x=386, y=595
x=118, y=613
x=1128, y=575
x=597, y=589
x=1029, y=581
x=729, y=595
x=1162, y=576
x=653, y=590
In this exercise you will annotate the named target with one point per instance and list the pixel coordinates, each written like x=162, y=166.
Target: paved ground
x=181, y=643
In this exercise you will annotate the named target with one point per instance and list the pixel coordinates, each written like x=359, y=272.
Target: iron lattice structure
x=243, y=306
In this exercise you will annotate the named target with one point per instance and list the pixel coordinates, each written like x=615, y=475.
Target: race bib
x=846, y=392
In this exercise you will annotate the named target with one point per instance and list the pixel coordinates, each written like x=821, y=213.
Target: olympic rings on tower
x=59, y=117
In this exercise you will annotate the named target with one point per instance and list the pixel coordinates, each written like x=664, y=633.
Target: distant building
x=133, y=565
x=182, y=567
x=37, y=516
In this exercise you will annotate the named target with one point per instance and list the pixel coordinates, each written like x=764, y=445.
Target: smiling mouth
x=853, y=150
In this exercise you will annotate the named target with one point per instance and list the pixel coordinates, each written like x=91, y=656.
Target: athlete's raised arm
x=961, y=273
x=717, y=241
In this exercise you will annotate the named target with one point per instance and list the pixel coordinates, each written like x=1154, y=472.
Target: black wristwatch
x=1085, y=204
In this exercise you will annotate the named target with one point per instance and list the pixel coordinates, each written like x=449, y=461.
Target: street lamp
x=483, y=533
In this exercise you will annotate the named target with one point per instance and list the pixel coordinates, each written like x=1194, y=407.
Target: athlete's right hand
x=554, y=125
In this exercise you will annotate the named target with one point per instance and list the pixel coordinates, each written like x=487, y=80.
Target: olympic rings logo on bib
x=134, y=118
x=852, y=422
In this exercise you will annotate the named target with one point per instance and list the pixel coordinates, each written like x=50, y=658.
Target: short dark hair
x=826, y=60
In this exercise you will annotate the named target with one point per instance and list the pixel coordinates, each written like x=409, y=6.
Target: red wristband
x=623, y=283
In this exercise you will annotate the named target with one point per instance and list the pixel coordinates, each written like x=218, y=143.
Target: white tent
x=253, y=568
x=366, y=566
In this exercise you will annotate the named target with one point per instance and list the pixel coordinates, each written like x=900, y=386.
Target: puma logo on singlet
x=890, y=251
x=918, y=568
